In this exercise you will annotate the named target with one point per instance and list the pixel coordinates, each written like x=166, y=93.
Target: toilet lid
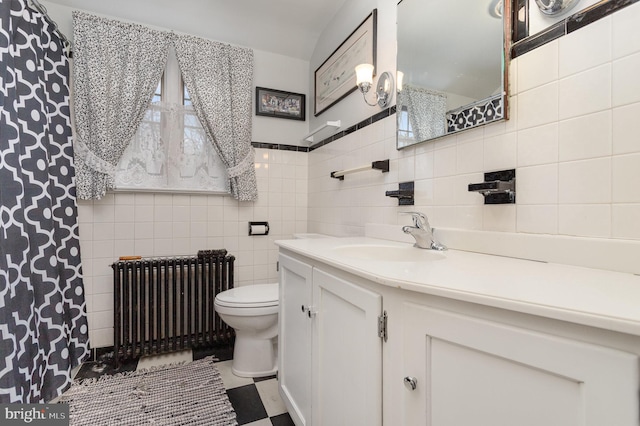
x=250, y=295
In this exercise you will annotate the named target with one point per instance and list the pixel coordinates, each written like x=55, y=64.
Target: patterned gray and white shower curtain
x=43, y=323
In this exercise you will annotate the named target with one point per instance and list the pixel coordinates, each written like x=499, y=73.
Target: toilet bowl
x=252, y=311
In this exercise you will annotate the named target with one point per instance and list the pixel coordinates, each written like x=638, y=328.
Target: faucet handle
x=419, y=219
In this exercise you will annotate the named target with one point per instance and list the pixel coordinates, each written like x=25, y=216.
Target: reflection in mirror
x=451, y=67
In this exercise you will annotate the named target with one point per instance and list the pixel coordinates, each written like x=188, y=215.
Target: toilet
x=252, y=311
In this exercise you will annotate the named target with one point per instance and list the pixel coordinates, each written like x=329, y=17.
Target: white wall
x=573, y=138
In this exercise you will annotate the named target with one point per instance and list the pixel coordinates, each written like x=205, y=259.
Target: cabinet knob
x=410, y=383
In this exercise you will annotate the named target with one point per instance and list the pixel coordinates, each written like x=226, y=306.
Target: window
x=171, y=151
x=404, y=124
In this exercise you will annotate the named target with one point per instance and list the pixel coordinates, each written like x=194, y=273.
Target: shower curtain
x=43, y=323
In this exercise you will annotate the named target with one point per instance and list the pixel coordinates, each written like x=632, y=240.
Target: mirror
x=451, y=67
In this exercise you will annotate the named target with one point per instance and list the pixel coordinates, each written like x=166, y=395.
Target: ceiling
x=286, y=27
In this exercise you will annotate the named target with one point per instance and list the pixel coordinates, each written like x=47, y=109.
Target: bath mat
x=182, y=394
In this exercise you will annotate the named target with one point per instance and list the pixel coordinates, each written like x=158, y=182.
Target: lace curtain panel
x=171, y=151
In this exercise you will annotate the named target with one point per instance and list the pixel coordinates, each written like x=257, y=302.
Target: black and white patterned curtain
x=43, y=323
x=219, y=78
x=117, y=67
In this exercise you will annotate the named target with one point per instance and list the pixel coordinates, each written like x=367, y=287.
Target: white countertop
x=593, y=297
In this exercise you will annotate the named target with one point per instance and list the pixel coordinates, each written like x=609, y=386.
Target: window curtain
x=426, y=109
x=219, y=78
x=43, y=322
x=117, y=67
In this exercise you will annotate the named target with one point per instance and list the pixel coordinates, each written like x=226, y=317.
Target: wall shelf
x=325, y=129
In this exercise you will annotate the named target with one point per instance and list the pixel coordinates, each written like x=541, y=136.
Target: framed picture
x=336, y=77
x=280, y=104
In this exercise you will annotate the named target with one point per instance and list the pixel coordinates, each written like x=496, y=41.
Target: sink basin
x=384, y=253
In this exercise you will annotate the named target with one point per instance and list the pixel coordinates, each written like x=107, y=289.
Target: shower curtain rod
x=40, y=8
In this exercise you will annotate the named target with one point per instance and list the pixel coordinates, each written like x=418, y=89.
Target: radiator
x=166, y=304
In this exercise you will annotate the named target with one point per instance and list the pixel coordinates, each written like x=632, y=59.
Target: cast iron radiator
x=166, y=304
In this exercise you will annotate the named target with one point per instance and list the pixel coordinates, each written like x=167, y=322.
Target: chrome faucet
x=422, y=232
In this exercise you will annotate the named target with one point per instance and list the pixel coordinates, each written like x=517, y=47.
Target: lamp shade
x=364, y=74
x=400, y=79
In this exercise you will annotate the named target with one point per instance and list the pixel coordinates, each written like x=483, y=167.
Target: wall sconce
x=400, y=78
x=384, y=88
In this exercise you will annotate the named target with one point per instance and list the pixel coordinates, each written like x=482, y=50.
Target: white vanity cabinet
x=471, y=371
x=472, y=340
x=330, y=353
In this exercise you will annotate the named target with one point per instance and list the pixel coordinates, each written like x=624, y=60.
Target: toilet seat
x=251, y=296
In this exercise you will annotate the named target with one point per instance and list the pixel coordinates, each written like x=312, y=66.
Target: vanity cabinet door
x=470, y=371
x=294, y=339
x=347, y=353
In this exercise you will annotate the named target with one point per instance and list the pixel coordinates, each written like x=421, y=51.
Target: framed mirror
x=452, y=66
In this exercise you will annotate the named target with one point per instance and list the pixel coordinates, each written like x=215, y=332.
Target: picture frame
x=280, y=104
x=336, y=77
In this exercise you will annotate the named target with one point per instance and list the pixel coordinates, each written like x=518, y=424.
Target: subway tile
x=500, y=152
x=444, y=161
x=584, y=49
x=103, y=213
x=143, y=213
x=538, y=67
x=103, y=249
x=537, y=184
x=469, y=217
x=626, y=178
x=124, y=199
x=626, y=84
x=461, y=189
x=626, y=31
x=625, y=221
x=124, y=213
x=124, y=247
x=585, y=92
x=162, y=230
x=499, y=217
x=143, y=230
x=124, y=231
x=144, y=199
x=444, y=191
x=537, y=219
x=587, y=136
x=470, y=156
x=585, y=220
x=538, y=145
x=538, y=106
x=143, y=247
x=626, y=128
x=585, y=182
x=85, y=211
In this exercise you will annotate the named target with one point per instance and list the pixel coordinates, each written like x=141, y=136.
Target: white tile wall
x=162, y=224
x=572, y=136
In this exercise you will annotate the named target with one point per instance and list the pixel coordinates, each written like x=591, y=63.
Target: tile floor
x=255, y=401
